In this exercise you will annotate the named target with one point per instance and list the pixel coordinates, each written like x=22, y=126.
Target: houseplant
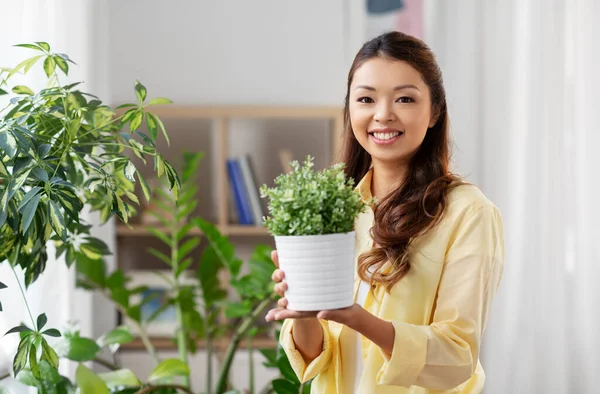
x=312, y=215
x=61, y=150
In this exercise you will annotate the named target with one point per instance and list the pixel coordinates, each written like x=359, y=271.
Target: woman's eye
x=365, y=100
x=405, y=100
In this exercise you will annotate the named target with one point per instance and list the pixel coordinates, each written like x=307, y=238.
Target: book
x=240, y=196
x=251, y=188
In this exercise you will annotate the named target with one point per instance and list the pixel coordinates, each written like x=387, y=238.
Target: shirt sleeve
x=303, y=371
x=445, y=353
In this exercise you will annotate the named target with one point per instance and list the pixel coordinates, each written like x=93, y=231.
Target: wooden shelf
x=248, y=112
x=141, y=230
x=169, y=344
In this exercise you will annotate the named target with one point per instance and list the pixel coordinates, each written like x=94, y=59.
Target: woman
x=430, y=251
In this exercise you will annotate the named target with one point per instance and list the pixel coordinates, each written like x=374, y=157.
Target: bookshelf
x=224, y=132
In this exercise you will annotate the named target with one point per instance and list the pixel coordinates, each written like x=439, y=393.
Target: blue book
x=240, y=194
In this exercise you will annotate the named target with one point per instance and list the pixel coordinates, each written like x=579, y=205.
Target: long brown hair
x=420, y=201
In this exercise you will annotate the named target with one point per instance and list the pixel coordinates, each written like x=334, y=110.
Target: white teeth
x=386, y=136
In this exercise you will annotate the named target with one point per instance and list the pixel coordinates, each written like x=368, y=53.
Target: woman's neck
x=386, y=179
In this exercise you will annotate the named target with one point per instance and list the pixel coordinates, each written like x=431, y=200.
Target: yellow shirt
x=439, y=309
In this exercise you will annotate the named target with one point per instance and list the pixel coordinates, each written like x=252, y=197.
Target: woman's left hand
x=347, y=316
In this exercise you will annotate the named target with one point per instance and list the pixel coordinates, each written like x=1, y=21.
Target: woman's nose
x=384, y=113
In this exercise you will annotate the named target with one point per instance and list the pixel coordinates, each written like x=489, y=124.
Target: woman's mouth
x=385, y=137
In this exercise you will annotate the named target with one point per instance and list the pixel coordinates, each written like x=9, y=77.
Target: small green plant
x=309, y=202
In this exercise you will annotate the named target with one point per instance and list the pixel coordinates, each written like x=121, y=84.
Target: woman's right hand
x=281, y=312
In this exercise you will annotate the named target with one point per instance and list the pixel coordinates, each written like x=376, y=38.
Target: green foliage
x=309, y=202
x=60, y=149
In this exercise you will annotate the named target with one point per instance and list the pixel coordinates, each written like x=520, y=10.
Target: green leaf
x=161, y=256
x=30, y=46
x=120, y=378
x=40, y=174
x=93, y=271
x=187, y=247
x=184, y=265
x=140, y=91
x=78, y=348
x=49, y=354
x=173, y=179
x=152, y=126
x=33, y=362
x=52, y=332
x=129, y=170
x=4, y=199
x=62, y=64
x=271, y=356
x=49, y=66
x=89, y=382
x=2, y=286
x=159, y=235
x=26, y=377
x=169, y=368
x=41, y=321
x=8, y=144
x=3, y=92
x=117, y=336
x=136, y=121
x=57, y=220
x=237, y=310
x=162, y=128
x=43, y=150
x=144, y=185
x=126, y=106
x=21, y=328
x=20, y=359
x=20, y=89
x=43, y=45
x=282, y=386
x=160, y=100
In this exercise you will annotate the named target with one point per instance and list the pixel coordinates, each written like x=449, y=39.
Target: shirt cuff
x=305, y=372
x=408, y=356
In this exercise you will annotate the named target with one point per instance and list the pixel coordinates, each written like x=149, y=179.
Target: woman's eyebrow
x=399, y=87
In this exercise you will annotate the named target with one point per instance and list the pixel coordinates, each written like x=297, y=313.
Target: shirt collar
x=364, y=187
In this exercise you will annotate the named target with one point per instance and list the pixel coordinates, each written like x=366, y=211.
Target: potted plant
x=312, y=216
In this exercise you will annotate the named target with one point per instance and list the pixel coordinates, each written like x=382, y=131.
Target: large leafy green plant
x=309, y=202
x=61, y=149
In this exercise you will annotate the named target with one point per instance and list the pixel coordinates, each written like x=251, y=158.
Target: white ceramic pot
x=319, y=270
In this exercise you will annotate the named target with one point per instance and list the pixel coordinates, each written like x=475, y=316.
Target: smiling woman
x=429, y=251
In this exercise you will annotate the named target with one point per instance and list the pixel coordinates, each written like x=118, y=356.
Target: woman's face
x=390, y=110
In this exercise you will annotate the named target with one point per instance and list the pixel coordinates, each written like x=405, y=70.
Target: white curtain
x=73, y=27
x=524, y=91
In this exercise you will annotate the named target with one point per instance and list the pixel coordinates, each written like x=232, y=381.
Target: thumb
x=327, y=315
x=275, y=258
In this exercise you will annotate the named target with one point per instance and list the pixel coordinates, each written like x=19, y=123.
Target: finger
x=278, y=275
x=282, y=302
x=275, y=258
x=282, y=314
x=280, y=288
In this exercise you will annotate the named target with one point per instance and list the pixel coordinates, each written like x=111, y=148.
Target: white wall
x=230, y=52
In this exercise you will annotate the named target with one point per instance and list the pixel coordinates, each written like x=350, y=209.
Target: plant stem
x=251, y=356
x=181, y=334
x=106, y=363
x=235, y=341
x=12, y=266
x=4, y=376
x=150, y=389
x=209, y=356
